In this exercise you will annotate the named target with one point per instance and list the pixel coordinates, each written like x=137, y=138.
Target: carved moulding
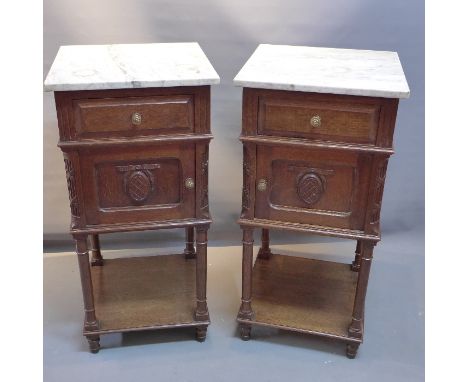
x=376, y=201
x=204, y=206
x=311, y=182
x=138, y=181
x=310, y=187
x=247, y=173
x=72, y=192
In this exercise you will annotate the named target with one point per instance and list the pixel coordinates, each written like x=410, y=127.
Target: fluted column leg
x=357, y=258
x=96, y=256
x=90, y=321
x=189, y=250
x=201, y=312
x=264, y=251
x=355, y=330
x=245, y=311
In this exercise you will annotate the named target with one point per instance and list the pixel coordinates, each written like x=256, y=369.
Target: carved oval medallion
x=310, y=188
x=139, y=186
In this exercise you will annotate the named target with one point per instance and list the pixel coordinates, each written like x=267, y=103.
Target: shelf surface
x=303, y=295
x=137, y=293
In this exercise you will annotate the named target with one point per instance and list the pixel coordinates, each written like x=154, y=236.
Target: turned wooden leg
x=357, y=258
x=201, y=333
x=189, y=250
x=201, y=312
x=93, y=342
x=96, y=257
x=245, y=311
x=245, y=331
x=264, y=251
x=356, y=328
x=90, y=321
x=351, y=350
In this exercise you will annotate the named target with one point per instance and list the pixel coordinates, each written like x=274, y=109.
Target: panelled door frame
x=96, y=215
x=353, y=219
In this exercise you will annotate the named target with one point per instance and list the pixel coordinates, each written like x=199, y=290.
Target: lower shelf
x=142, y=293
x=304, y=295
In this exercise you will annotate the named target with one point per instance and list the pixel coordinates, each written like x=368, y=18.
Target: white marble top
x=325, y=70
x=89, y=67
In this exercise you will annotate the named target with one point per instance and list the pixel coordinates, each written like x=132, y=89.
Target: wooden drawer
x=318, y=117
x=319, y=187
x=138, y=184
x=134, y=116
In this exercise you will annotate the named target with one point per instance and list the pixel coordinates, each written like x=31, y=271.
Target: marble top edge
x=124, y=66
x=325, y=48
x=325, y=70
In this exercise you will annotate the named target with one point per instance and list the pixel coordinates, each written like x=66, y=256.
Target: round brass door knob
x=262, y=185
x=189, y=183
x=136, y=118
x=316, y=121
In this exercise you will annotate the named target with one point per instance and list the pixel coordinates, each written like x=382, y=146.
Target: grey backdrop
x=228, y=32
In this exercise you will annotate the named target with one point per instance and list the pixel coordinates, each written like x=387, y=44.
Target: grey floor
x=393, y=348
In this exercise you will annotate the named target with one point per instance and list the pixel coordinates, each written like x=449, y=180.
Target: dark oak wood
x=325, y=178
x=357, y=258
x=245, y=311
x=189, y=250
x=145, y=293
x=318, y=187
x=315, y=229
x=304, y=295
x=96, y=256
x=131, y=185
x=353, y=119
x=127, y=173
x=307, y=144
x=265, y=252
x=346, y=119
x=134, y=141
x=113, y=116
x=90, y=321
x=201, y=312
x=356, y=328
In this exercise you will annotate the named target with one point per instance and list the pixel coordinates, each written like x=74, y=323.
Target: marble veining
x=325, y=70
x=123, y=66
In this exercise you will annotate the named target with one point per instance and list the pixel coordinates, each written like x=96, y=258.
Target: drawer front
x=133, y=116
x=319, y=187
x=139, y=185
x=301, y=116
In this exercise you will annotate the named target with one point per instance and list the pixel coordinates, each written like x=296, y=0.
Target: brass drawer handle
x=262, y=185
x=189, y=183
x=316, y=121
x=136, y=118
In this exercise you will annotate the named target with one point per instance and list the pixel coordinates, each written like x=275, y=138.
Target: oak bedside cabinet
x=317, y=130
x=134, y=124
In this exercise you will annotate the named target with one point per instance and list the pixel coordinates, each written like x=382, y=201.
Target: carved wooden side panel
x=376, y=199
x=64, y=117
x=202, y=162
x=72, y=191
x=204, y=205
x=246, y=192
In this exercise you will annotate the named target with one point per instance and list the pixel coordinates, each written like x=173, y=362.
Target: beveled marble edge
x=323, y=89
x=129, y=85
x=247, y=77
x=113, y=70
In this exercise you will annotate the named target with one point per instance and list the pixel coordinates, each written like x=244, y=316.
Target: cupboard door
x=139, y=184
x=317, y=187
